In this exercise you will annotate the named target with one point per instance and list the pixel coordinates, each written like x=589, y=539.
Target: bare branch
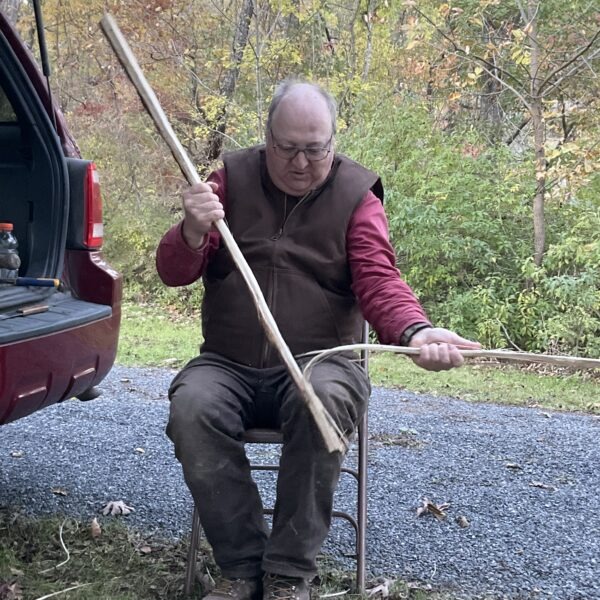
x=520, y=127
x=460, y=51
x=576, y=56
x=484, y=65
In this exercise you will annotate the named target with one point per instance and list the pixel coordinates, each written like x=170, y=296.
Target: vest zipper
x=287, y=216
x=271, y=294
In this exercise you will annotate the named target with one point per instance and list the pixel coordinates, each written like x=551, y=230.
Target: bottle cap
x=6, y=226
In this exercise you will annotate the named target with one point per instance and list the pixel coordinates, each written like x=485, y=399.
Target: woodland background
x=481, y=116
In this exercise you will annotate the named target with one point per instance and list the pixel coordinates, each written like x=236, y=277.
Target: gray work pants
x=213, y=400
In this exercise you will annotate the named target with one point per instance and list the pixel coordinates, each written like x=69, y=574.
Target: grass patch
x=489, y=382
x=122, y=565
x=154, y=336
x=117, y=565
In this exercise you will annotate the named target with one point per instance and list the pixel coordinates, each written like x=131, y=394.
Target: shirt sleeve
x=386, y=301
x=178, y=264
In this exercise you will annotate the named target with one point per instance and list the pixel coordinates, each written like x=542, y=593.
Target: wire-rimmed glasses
x=312, y=153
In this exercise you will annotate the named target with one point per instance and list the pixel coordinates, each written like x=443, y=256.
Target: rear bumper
x=44, y=370
x=67, y=349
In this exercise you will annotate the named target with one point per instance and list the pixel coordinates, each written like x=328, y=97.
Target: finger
x=465, y=343
x=455, y=357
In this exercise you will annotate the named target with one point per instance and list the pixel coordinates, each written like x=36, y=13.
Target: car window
x=7, y=114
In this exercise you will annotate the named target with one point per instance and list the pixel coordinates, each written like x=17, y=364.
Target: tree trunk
x=489, y=108
x=227, y=87
x=537, y=120
x=11, y=9
x=539, y=223
x=368, y=18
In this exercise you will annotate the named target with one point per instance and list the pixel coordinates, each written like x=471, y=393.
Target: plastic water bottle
x=9, y=255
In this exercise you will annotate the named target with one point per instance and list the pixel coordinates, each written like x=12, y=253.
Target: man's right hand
x=201, y=208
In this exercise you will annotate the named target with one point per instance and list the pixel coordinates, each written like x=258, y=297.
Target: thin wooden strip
x=551, y=359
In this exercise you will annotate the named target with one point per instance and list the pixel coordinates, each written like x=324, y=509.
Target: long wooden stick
x=550, y=359
x=332, y=435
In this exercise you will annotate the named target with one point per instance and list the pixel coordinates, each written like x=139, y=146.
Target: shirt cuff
x=200, y=248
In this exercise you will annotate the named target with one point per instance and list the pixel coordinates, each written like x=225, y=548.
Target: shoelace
x=281, y=588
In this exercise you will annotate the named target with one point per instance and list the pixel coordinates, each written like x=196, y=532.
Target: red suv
x=55, y=342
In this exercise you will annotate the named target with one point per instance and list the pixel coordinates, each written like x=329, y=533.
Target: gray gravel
x=527, y=481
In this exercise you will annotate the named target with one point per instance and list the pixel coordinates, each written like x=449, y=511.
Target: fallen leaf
x=463, y=521
x=140, y=450
x=117, y=507
x=10, y=591
x=59, y=491
x=543, y=486
x=17, y=454
x=95, y=529
x=437, y=510
x=381, y=590
x=125, y=380
x=145, y=549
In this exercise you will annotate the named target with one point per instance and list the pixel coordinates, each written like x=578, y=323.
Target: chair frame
x=358, y=522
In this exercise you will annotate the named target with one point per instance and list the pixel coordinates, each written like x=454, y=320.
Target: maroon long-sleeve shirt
x=385, y=299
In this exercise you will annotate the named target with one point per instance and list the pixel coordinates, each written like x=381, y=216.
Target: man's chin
x=299, y=188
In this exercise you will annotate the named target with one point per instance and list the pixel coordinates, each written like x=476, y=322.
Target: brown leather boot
x=281, y=587
x=236, y=589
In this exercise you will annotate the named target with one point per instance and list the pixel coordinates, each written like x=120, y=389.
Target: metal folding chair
x=358, y=521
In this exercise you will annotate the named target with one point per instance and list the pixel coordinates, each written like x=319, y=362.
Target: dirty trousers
x=213, y=400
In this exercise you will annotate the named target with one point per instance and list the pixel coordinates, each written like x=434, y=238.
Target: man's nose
x=300, y=159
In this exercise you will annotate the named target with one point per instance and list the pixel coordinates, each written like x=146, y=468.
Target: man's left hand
x=439, y=348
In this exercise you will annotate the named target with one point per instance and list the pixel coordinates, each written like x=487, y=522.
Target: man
x=312, y=228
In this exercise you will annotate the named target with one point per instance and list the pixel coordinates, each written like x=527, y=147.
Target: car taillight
x=94, y=228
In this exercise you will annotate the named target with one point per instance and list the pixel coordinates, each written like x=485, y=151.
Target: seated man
x=311, y=225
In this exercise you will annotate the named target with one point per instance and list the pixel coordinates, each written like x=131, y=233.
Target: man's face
x=301, y=121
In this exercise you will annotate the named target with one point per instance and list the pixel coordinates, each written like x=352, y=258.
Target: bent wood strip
x=550, y=359
x=332, y=435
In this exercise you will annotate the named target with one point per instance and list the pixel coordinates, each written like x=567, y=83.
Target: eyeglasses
x=312, y=154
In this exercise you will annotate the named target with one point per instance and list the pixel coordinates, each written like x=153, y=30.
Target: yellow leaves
x=518, y=34
x=521, y=56
x=445, y=10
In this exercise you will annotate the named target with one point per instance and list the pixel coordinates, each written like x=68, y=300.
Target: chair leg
x=361, y=538
x=190, y=571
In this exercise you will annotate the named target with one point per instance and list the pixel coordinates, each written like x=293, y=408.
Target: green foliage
x=418, y=104
x=459, y=214
x=141, y=202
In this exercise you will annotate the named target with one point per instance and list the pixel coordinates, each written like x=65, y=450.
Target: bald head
x=303, y=93
x=300, y=137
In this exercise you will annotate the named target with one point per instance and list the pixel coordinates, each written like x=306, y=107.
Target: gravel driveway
x=526, y=480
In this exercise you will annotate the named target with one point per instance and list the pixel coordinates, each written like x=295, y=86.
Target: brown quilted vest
x=298, y=259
